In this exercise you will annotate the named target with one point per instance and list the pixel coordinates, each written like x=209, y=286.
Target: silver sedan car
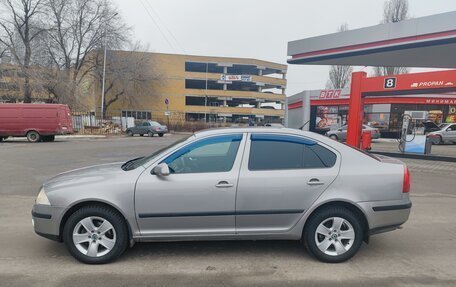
x=341, y=133
x=228, y=184
x=446, y=134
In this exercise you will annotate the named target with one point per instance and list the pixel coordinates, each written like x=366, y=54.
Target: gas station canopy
x=421, y=42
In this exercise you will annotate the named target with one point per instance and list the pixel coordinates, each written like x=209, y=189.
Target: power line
x=164, y=25
x=158, y=27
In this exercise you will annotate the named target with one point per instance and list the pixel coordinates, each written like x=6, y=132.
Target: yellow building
x=192, y=88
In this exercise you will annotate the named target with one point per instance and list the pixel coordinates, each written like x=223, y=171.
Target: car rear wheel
x=333, y=234
x=95, y=234
x=129, y=133
x=160, y=134
x=151, y=134
x=334, y=137
x=33, y=136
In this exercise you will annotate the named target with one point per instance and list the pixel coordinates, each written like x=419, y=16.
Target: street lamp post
x=104, y=70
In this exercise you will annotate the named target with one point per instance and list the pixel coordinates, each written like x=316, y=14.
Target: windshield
x=134, y=163
x=155, y=124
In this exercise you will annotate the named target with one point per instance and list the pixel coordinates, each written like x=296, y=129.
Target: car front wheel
x=95, y=234
x=160, y=134
x=333, y=235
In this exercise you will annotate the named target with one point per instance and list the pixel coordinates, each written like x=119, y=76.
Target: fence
x=116, y=124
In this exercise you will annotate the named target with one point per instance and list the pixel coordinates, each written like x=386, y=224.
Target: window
x=201, y=84
x=202, y=67
x=275, y=152
x=146, y=124
x=138, y=115
x=215, y=154
x=451, y=128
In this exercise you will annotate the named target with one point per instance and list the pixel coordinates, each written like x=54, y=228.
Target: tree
x=80, y=29
x=339, y=76
x=20, y=27
x=394, y=11
x=128, y=73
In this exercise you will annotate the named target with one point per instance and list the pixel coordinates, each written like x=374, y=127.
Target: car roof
x=234, y=130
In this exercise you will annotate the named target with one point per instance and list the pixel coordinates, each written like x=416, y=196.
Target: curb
x=80, y=137
x=417, y=156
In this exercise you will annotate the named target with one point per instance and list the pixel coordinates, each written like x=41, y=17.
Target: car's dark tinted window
x=215, y=154
x=272, y=152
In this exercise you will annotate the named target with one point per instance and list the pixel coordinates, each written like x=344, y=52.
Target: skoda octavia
x=228, y=184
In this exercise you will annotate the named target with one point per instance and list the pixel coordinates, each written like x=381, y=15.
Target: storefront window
x=377, y=120
x=377, y=108
x=326, y=117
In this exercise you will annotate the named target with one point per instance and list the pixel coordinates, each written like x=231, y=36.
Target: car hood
x=85, y=175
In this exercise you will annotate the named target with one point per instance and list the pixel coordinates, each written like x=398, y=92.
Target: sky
x=259, y=29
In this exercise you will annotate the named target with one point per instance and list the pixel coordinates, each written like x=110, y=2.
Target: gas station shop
x=329, y=110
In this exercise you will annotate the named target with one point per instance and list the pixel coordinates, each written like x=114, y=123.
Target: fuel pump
x=412, y=138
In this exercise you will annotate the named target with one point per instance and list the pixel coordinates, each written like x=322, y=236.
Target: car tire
x=151, y=134
x=334, y=137
x=33, y=136
x=130, y=133
x=160, y=134
x=440, y=140
x=116, y=235
x=141, y=135
x=324, y=242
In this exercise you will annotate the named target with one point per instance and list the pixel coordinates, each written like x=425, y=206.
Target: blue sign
x=166, y=101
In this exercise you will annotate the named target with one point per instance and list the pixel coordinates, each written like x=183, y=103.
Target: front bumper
x=386, y=216
x=46, y=221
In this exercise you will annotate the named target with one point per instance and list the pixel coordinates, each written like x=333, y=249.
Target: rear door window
x=278, y=152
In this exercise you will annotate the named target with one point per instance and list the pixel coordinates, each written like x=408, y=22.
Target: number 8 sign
x=390, y=83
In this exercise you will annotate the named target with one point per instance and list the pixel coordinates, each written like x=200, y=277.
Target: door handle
x=224, y=184
x=315, y=181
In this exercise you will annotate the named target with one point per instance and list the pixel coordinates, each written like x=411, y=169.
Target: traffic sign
x=166, y=101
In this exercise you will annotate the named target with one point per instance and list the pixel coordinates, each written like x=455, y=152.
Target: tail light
x=157, y=128
x=406, y=184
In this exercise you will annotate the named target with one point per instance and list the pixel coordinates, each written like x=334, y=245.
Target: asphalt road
x=423, y=253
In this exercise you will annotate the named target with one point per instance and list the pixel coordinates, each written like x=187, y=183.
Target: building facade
x=197, y=88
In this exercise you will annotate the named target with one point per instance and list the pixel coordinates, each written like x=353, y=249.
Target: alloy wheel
x=334, y=236
x=94, y=236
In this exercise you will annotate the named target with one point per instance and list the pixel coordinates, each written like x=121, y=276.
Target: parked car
x=37, y=122
x=240, y=183
x=341, y=133
x=149, y=128
x=446, y=134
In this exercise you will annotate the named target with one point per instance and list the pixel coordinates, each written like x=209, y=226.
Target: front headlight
x=42, y=198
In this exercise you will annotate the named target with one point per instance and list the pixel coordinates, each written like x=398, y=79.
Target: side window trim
x=287, y=138
x=193, y=145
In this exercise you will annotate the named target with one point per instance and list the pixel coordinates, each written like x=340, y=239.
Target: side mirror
x=161, y=169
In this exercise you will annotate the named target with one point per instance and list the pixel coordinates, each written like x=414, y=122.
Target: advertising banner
x=232, y=78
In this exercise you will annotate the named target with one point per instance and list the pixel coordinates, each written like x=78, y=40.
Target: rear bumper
x=386, y=216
